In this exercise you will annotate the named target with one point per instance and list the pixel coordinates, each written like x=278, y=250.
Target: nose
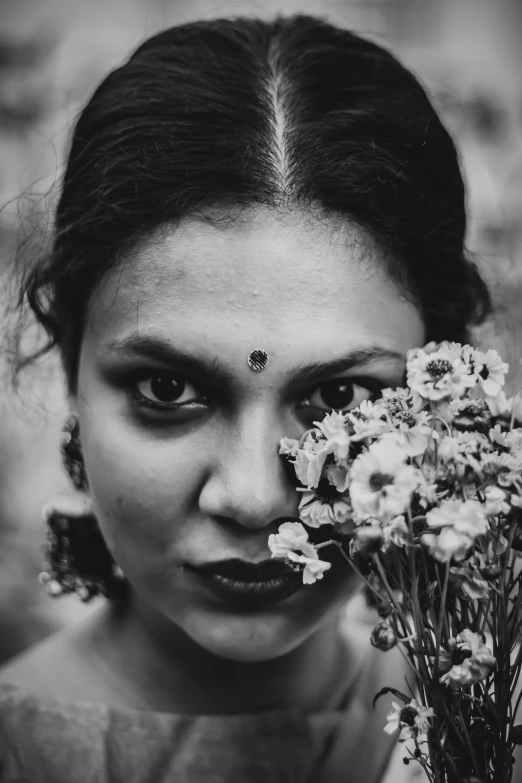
x=249, y=482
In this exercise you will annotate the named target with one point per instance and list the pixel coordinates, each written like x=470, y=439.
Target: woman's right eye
x=165, y=390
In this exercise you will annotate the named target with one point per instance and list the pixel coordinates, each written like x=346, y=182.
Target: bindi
x=257, y=360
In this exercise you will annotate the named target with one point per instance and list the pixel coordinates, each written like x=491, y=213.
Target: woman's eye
x=338, y=395
x=164, y=389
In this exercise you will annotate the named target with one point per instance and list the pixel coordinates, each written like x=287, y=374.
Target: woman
x=257, y=221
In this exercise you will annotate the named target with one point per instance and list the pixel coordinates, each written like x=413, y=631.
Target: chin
x=248, y=639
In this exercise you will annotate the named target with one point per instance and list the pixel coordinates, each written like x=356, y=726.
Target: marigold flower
x=412, y=720
x=382, y=482
x=467, y=660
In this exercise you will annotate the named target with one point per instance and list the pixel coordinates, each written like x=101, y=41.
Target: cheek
x=142, y=489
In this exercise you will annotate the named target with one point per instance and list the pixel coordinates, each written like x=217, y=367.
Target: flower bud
x=491, y=571
x=384, y=608
x=383, y=637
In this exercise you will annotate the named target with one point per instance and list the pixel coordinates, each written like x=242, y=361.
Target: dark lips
x=248, y=583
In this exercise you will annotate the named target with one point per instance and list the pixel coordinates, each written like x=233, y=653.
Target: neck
x=158, y=667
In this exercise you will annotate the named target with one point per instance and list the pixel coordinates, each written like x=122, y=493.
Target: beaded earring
x=78, y=560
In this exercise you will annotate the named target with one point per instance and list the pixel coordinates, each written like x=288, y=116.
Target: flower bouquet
x=422, y=489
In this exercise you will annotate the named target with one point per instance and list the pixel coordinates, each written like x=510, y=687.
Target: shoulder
x=50, y=739
x=39, y=668
x=59, y=666
x=53, y=720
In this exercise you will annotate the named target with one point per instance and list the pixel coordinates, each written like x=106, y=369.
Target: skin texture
x=206, y=482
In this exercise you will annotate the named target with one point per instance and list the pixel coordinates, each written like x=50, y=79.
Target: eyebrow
x=162, y=350
x=358, y=358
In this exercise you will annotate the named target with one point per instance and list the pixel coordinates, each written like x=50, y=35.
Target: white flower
x=511, y=440
x=381, y=482
x=429, y=492
x=323, y=506
x=369, y=420
x=412, y=720
x=489, y=370
x=372, y=410
x=309, y=462
x=438, y=374
x=516, y=501
x=395, y=532
x=500, y=404
x=289, y=537
x=334, y=429
x=412, y=433
x=465, y=449
x=339, y=476
x=458, y=523
x=495, y=501
x=467, y=661
x=396, y=400
x=313, y=568
x=289, y=446
x=291, y=543
x=512, y=468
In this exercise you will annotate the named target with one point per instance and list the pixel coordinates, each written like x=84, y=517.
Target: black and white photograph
x=260, y=391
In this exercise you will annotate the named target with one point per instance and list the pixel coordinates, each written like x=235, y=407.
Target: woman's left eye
x=339, y=394
x=164, y=390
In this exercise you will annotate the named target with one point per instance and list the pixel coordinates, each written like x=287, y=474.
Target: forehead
x=288, y=284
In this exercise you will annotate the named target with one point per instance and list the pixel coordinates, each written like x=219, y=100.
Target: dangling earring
x=72, y=455
x=78, y=558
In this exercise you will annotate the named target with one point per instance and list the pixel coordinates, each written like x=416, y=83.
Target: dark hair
x=289, y=113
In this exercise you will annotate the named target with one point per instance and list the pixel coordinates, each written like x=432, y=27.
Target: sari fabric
x=54, y=740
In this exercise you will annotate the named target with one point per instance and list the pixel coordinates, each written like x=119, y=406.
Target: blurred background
x=54, y=52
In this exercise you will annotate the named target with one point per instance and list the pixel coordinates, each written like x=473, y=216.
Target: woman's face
x=181, y=437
